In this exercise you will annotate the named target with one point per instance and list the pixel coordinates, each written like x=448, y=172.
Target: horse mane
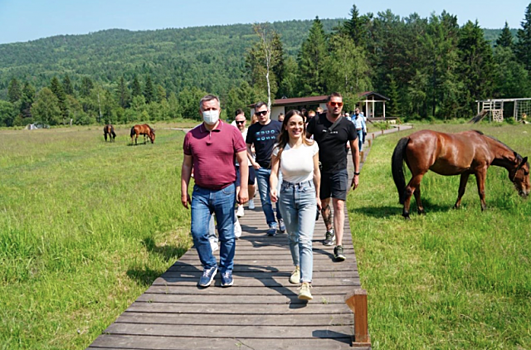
x=516, y=154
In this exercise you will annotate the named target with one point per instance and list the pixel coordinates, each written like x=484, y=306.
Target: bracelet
x=356, y=173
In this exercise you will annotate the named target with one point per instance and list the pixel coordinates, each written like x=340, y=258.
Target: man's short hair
x=238, y=112
x=259, y=105
x=208, y=98
x=334, y=94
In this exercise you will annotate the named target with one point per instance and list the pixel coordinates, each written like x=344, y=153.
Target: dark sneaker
x=208, y=276
x=281, y=226
x=272, y=231
x=338, y=253
x=330, y=238
x=226, y=279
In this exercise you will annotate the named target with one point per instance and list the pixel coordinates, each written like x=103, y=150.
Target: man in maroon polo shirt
x=210, y=149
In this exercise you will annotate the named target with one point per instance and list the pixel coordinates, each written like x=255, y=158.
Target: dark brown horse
x=109, y=130
x=465, y=153
x=143, y=129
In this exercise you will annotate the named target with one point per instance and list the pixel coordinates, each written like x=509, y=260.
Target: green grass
x=451, y=279
x=85, y=228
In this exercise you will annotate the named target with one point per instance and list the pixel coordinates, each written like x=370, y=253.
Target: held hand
x=319, y=204
x=355, y=182
x=256, y=166
x=185, y=200
x=273, y=195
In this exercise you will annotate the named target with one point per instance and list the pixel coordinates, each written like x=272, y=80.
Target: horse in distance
x=108, y=130
x=466, y=153
x=145, y=130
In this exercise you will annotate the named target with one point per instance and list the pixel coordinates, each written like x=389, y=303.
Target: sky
x=26, y=20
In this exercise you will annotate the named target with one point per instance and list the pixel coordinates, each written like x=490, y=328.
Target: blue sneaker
x=208, y=276
x=281, y=226
x=226, y=279
x=272, y=231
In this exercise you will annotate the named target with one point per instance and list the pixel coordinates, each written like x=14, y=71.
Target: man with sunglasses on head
x=332, y=132
x=263, y=135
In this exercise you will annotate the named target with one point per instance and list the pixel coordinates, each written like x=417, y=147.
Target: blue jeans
x=221, y=202
x=298, y=207
x=360, y=139
x=262, y=178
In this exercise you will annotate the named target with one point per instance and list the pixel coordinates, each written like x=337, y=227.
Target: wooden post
x=370, y=143
x=357, y=302
x=372, y=136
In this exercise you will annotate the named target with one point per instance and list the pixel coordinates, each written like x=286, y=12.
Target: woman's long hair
x=283, y=137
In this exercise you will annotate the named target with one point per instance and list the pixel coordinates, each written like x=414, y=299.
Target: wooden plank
x=230, y=331
x=224, y=319
x=106, y=341
x=259, y=290
x=251, y=281
x=235, y=299
x=267, y=310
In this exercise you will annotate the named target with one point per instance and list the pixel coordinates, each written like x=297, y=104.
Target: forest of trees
x=428, y=67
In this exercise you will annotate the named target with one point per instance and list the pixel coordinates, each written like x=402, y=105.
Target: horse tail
x=132, y=131
x=397, y=162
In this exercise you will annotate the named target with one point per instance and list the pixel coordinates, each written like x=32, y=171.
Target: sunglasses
x=336, y=104
x=240, y=121
x=261, y=113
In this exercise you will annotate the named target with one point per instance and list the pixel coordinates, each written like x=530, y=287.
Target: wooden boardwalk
x=261, y=310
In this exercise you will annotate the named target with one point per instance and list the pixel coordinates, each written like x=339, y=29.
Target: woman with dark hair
x=298, y=160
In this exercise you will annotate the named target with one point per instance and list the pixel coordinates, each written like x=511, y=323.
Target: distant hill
x=211, y=58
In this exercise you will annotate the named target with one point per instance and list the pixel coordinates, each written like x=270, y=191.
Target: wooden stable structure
x=497, y=109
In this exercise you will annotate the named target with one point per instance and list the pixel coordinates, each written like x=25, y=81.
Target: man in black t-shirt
x=263, y=135
x=332, y=132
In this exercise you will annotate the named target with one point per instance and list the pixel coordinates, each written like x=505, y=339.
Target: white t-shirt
x=296, y=164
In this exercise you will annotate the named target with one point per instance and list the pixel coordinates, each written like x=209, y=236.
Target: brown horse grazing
x=109, y=130
x=465, y=153
x=143, y=129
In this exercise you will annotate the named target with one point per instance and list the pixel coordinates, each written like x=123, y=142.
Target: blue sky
x=24, y=20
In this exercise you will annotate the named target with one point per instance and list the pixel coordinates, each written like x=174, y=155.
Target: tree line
x=428, y=67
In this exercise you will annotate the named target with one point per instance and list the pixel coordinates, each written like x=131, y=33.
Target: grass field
x=452, y=279
x=86, y=226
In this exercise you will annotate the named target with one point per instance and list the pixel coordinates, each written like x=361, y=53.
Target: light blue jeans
x=221, y=202
x=298, y=207
x=262, y=178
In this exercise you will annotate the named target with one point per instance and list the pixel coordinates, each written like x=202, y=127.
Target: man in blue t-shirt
x=263, y=135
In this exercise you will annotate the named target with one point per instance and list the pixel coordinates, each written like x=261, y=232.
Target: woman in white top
x=298, y=160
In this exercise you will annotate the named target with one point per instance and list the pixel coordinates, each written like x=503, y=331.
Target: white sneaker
x=214, y=244
x=240, y=212
x=237, y=229
x=251, y=204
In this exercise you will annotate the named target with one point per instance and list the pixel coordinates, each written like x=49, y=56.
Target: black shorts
x=334, y=184
x=252, y=176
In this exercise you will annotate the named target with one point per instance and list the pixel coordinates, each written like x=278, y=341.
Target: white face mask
x=211, y=117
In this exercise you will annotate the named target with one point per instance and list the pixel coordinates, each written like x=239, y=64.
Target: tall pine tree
x=312, y=59
x=523, y=44
x=506, y=38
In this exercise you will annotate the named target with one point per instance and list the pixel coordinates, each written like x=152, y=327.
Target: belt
x=359, y=129
x=298, y=184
